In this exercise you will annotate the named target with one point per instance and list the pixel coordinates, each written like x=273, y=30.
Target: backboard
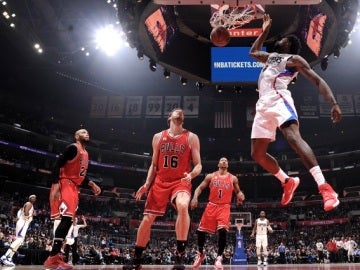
x=241, y=217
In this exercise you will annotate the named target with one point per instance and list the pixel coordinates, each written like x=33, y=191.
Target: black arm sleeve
x=69, y=153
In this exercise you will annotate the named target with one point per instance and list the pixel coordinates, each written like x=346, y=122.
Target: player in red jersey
x=169, y=179
x=216, y=216
x=72, y=167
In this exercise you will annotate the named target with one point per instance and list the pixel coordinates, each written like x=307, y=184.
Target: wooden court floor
x=347, y=266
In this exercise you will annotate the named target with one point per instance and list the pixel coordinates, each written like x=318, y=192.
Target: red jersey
x=174, y=156
x=76, y=169
x=221, y=188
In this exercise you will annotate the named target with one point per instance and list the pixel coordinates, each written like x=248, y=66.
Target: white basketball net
x=232, y=17
x=239, y=226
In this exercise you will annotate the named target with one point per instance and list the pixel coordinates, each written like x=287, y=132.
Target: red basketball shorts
x=67, y=201
x=215, y=217
x=163, y=192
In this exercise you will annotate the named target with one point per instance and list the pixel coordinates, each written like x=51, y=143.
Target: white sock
x=281, y=175
x=56, y=224
x=9, y=253
x=318, y=175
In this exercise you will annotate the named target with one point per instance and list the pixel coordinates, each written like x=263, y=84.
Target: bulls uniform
x=71, y=176
x=261, y=233
x=217, y=212
x=173, y=161
x=275, y=105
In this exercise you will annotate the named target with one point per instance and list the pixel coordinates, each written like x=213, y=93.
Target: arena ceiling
x=64, y=74
x=322, y=26
x=64, y=30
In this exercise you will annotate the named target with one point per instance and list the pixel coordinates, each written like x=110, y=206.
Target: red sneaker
x=200, y=257
x=289, y=187
x=56, y=262
x=218, y=263
x=330, y=197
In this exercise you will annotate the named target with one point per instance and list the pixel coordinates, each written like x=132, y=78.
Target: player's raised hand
x=266, y=22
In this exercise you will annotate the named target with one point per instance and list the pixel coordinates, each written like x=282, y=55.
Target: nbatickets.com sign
x=233, y=64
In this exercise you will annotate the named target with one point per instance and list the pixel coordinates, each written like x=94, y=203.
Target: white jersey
x=319, y=246
x=23, y=222
x=275, y=105
x=261, y=226
x=351, y=245
x=21, y=214
x=275, y=76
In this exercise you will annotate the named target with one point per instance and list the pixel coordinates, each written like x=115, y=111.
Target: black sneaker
x=179, y=261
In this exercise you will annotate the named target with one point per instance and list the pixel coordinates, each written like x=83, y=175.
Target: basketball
x=220, y=36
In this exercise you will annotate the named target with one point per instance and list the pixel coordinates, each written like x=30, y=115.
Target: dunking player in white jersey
x=24, y=218
x=275, y=109
x=261, y=228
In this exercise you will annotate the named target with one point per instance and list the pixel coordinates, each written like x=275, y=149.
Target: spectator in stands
x=2, y=240
x=72, y=239
x=320, y=250
x=169, y=179
x=341, y=252
x=24, y=218
x=48, y=245
x=332, y=249
x=350, y=245
x=281, y=250
x=32, y=244
x=72, y=168
x=216, y=216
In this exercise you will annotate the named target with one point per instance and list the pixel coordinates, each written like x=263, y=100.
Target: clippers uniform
x=23, y=222
x=22, y=225
x=72, y=174
x=261, y=233
x=217, y=212
x=173, y=161
x=275, y=105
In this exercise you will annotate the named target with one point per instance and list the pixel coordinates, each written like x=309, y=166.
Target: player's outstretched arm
x=152, y=169
x=240, y=197
x=205, y=183
x=255, y=51
x=303, y=67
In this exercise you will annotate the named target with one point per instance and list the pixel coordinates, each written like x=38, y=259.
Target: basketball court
x=348, y=266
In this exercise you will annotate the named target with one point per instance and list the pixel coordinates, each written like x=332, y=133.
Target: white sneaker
x=265, y=263
x=259, y=263
x=7, y=261
x=218, y=264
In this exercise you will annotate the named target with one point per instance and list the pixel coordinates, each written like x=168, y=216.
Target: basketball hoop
x=232, y=17
x=239, y=226
x=239, y=222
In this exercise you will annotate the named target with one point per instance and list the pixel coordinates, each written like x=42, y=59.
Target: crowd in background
x=104, y=242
